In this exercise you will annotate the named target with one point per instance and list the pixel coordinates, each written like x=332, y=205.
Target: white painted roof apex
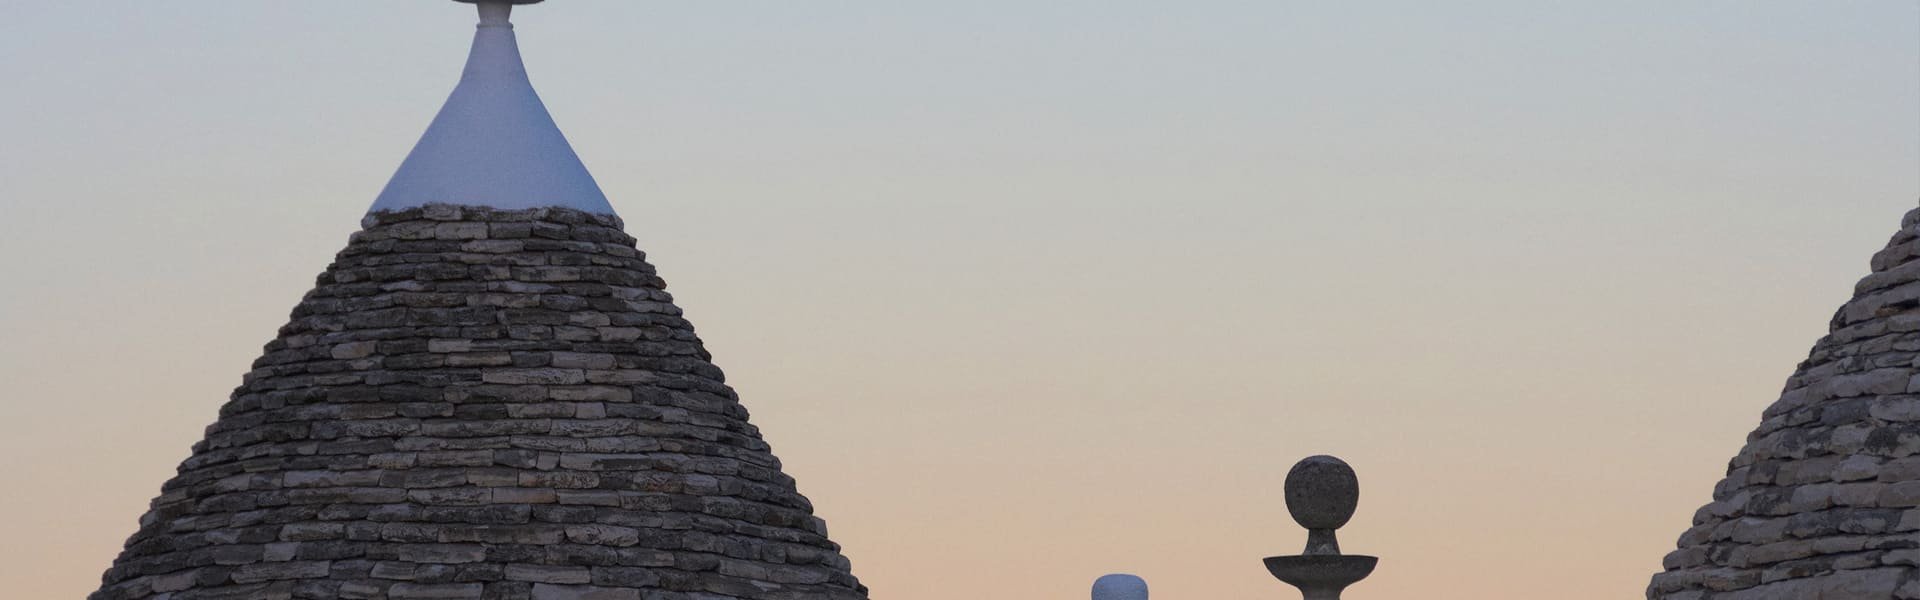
x=493, y=143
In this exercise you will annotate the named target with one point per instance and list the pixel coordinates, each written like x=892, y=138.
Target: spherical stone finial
x=1119, y=586
x=1322, y=492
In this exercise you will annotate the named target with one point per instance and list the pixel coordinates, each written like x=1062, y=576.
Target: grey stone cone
x=476, y=403
x=1824, y=500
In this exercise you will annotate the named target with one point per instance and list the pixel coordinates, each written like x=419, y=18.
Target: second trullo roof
x=1823, y=502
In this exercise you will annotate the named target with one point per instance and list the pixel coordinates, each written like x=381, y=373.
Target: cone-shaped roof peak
x=489, y=394
x=493, y=143
x=1823, y=501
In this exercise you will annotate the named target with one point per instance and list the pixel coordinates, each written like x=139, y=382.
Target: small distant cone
x=1824, y=500
x=484, y=398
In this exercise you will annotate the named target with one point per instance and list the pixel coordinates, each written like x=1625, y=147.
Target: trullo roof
x=1824, y=500
x=488, y=395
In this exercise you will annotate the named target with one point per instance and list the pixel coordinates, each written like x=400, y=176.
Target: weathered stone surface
x=491, y=404
x=1824, y=500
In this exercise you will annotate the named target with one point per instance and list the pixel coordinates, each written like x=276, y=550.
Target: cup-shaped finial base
x=1321, y=577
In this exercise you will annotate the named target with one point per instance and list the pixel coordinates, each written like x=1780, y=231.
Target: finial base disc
x=500, y=1
x=1321, y=576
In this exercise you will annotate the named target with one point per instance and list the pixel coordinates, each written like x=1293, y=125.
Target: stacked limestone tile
x=488, y=395
x=1823, y=503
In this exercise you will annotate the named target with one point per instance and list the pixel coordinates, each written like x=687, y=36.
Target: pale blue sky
x=1534, y=268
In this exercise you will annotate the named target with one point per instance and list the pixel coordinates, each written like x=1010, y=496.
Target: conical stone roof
x=482, y=403
x=488, y=395
x=1823, y=503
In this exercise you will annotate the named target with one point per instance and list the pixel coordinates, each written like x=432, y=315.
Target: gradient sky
x=1025, y=292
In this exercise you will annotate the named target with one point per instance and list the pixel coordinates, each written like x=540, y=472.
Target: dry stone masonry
x=1824, y=501
x=483, y=403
